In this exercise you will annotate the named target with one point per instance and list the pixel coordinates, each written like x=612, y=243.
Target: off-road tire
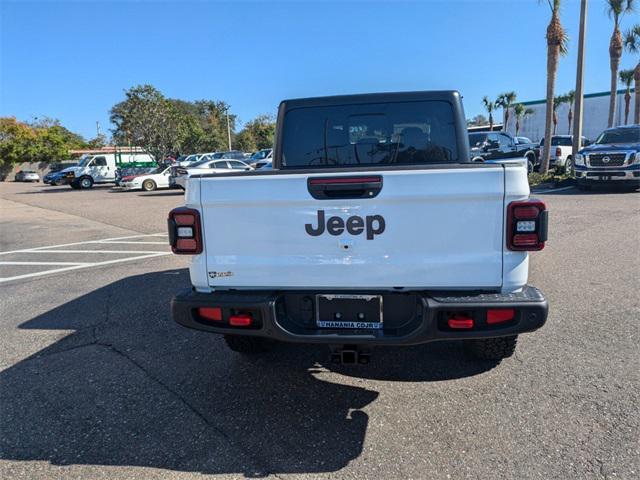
x=492, y=348
x=248, y=345
x=149, y=185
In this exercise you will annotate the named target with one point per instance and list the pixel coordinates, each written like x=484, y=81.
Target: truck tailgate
x=443, y=228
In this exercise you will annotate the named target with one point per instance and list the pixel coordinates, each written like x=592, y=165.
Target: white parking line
x=85, y=242
x=134, y=243
x=44, y=263
x=92, y=251
x=67, y=266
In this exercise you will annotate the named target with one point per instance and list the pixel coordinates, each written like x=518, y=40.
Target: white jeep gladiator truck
x=374, y=228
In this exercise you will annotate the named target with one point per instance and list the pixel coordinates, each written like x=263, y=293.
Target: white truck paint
x=444, y=229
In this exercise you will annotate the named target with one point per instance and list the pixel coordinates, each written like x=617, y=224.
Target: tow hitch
x=350, y=354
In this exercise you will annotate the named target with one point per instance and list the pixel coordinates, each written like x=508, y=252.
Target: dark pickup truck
x=614, y=158
x=498, y=146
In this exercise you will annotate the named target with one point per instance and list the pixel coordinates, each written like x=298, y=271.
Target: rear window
x=408, y=133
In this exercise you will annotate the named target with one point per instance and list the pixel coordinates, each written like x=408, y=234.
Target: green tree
x=50, y=145
x=557, y=42
x=557, y=101
x=570, y=98
x=506, y=101
x=17, y=143
x=626, y=77
x=521, y=112
x=257, y=134
x=616, y=10
x=632, y=45
x=147, y=119
x=489, y=106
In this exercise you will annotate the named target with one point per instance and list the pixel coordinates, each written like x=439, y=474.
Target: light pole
x=228, y=130
x=577, y=119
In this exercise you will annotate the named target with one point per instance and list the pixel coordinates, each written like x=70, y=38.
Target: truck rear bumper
x=409, y=318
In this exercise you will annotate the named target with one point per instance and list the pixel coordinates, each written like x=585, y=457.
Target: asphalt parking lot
x=96, y=380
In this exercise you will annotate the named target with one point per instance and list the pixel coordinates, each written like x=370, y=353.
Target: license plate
x=349, y=311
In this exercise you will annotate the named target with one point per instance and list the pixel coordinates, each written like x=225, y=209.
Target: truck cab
x=375, y=228
x=490, y=146
x=614, y=158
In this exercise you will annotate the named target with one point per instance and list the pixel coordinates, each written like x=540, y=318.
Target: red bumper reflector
x=211, y=313
x=460, y=323
x=500, y=316
x=240, y=320
x=525, y=240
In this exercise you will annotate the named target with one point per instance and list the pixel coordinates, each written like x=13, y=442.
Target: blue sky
x=73, y=60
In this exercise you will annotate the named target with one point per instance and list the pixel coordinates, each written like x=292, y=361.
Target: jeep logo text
x=372, y=224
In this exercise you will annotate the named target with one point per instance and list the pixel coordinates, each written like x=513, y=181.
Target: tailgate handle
x=329, y=188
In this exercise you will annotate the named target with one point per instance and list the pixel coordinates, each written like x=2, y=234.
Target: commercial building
x=596, y=114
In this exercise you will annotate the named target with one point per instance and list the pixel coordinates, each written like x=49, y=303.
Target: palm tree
x=556, y=46
x=616, y=10
x=632, y=44
x=571, y=100
x=557, y=101
x=626, y=77
x=506, y=101
x=520, y=113
x=489, y=106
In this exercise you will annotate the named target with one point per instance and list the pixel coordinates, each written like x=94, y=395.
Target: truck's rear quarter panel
x=444, y=230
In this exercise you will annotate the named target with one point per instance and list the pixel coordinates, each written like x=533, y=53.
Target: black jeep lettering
x=314, y=232
x=355, y=225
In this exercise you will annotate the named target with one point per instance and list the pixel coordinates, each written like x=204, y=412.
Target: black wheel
x=247, y=345
x=478, y=160
x=531, y=164
x=149, y=185
x=86, y=182
x=492, y=348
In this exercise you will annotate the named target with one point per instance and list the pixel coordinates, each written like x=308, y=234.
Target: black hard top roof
x=445, y=95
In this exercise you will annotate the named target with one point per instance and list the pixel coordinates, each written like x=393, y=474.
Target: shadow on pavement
x=130, y=388
x=595, y=190
x=63, y=189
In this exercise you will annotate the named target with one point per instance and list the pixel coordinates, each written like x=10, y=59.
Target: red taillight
x=558, y=152
x=213, y=314
x=185, y=235
x=460, y=322
x=241, y=320
x=500, y=315
x=527, y=225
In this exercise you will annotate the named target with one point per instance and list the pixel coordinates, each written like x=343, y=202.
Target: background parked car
x=499, y=145
x=159, y=178
x=180, y=175
x=562, y=152
x=126, y=173
x=27, y=176
x=261, y=158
